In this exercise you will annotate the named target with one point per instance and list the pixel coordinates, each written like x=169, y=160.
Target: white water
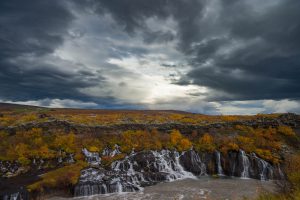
x=246, y=164
x=14, y=196
x=219, y=166
x=163, y=163
x=147, y=168
x=264, y=168
x=109, y=152
x=173, y=169
x=91, y=157
x=197, y=163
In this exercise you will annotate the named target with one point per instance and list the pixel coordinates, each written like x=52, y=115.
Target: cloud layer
x=208, y=56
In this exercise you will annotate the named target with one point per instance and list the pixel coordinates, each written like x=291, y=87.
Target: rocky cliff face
x=141, y=169
x=150, y=167
x=14, y=177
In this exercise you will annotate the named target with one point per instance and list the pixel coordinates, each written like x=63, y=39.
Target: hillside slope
x=69, y=146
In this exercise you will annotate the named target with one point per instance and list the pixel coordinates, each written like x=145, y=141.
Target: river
x=193, y=189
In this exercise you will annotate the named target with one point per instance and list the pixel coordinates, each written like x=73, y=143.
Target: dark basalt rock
x=150, y=167
x=192, y=162
x=146, y=168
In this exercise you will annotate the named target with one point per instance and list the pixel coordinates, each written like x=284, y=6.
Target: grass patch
x=61, y=178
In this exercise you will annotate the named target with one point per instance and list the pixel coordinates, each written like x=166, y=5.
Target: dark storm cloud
x=131, y=14
x=29, y=33
x=266, y=65
x=43, y=82
x=32, y=28
x=239, y=49
x=243, y=49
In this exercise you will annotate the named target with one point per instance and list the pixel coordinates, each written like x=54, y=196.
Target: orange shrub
x=286, y=130
x=206, y=143
x=184, y=144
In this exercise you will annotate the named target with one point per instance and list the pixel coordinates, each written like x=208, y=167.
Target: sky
x=203, y=56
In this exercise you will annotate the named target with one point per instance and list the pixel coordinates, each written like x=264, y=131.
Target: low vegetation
x=37, y=144
x=25, y=146
x=15, y=116
x=60, y=179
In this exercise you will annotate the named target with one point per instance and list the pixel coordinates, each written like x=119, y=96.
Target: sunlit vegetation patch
x=61, y=178
x=206, y=143
x=25, y=146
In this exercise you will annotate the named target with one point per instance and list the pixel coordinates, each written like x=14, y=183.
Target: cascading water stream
x=91, y=157
x=245, y=164
x=264, y=168
x=218, y=162
x=140, y=169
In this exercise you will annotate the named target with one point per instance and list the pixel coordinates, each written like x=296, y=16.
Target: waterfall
x=109, y=152
x=115, y=151
x=192, y=162
x=265, y=169
x=281, y=174
x=91, y=157
x=218, y=162
x=119, y=187
x=245, y=164
x=180, y=169
x=169, y=164
x=130, y=173
x=20, y=194
x=140, y=169
x=14, y=196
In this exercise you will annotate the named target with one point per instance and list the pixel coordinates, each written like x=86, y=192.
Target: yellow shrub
x=206, y=143
x=179, y=142
x=286, y=130
x=29, y=118
x=93, y=149
x=246, y=143
x=23, y=161
x=184, y=144
x=267, y=155
x=175, y=137
x=233, y=146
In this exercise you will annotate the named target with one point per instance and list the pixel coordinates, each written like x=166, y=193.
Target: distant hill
x=10, y=106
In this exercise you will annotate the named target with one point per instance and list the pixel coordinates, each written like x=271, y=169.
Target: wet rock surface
x=200, y=188
x=151, y=167
x=141, y=169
